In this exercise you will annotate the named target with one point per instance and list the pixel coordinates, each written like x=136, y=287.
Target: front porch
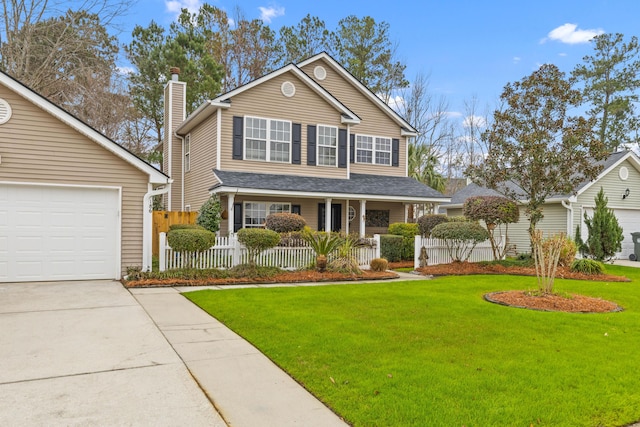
x=362, y=204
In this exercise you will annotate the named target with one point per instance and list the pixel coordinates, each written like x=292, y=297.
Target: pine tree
x=605, y=234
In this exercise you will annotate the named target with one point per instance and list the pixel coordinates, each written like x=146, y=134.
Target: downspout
x=147, y=224
x=569, y=206
x=181, y=138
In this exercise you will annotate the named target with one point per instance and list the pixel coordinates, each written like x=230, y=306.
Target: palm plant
x=322, y=244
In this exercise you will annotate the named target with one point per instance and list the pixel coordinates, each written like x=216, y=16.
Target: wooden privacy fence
x=228, y=252
x=163, y=219
x=437, y=253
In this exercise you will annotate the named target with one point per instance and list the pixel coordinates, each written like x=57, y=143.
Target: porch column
x=231, y=198
x=327, y=215
x=363, y=212
x=406, y=212
x=346, y=217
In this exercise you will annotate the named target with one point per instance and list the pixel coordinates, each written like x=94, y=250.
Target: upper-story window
x=267, y=139
x=327, y=145
x=373, y=149
x=187, y=153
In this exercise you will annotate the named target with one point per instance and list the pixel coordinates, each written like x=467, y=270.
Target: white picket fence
x=228, y=252
x=437, y=252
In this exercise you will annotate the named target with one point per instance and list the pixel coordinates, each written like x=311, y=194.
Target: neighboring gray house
x=620, y=179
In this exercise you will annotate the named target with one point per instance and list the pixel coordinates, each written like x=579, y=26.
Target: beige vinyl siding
x=174, y=92
x=554, y=221
x=203, y=160
x=37, y=148
x=374, y=121
x=267, y=101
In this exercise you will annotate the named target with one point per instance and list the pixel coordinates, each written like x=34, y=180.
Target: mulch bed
x=464, y=268
x=527, y=299
x=284, y=277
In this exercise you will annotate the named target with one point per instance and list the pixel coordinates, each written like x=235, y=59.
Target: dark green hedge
x=191, y=239
x=391, y=247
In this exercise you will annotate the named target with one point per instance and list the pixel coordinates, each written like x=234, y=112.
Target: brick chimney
x=175, y=98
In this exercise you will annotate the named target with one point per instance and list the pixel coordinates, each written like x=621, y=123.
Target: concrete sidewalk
x=86, y=353
x=244, y=385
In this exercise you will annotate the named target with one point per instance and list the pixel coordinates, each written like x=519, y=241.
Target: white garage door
x=58, y=233
x=629, y=220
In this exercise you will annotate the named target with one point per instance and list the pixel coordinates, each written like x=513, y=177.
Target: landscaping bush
x=190, y=239
x=495, y=211
x=285, y=222
x=379, y=264
x=457, y=218
x=567, y=253
x=343, y=260
x=323, y=244
x=252, y=271
x=391, y=247
x=257, y=240
x=460, y=237
x=185, y=227
x=408, y=231
x=209, y=214
x=605, y=234
x=427, y=222
x=587, y=266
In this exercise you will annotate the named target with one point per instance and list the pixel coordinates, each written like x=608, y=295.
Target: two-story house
x=307, y=138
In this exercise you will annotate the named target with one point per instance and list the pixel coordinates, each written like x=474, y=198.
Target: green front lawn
x=435, y=353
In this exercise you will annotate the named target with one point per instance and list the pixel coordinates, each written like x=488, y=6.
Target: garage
x=629, y=220
x=52, y=232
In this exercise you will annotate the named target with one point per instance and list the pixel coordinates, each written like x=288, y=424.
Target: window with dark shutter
x=237, y=137
x=352, y=148
x=311, y=145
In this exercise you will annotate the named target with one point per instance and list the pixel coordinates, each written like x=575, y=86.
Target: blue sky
x=469, y=48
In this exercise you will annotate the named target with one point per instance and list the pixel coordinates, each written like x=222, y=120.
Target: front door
x=336, y=216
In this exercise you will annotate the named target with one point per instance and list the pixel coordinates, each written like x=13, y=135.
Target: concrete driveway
x=86, y=353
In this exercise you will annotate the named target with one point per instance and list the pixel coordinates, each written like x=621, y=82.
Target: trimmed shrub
x=587, y=266
x=379, y=264
x=427, y=222
x=408, y=231
x=460, y=237
x=210, y=214
x=257, y=240
x=285, y=222
x=457, y=218
x=185, y=227
x=391, y=247
x=605, y=234
x=191, y=239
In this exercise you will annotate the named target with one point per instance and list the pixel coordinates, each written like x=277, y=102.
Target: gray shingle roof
x=360, y=184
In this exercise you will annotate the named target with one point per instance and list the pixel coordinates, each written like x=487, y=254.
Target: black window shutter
x=237, y=137
x=237, y=217
x=296, y=143
x=342, y=148
x=353, y=148
x=311, y=145
x=395, y=152
x=296, y=209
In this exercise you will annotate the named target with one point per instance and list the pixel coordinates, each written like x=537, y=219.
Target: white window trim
x=187, y=152
x=373, y=150
x=267, y=209
x=318, y=126
x=268, y=139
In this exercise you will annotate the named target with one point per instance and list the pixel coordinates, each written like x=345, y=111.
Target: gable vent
x=5, y=111
x=320, y=72
x=288, y=89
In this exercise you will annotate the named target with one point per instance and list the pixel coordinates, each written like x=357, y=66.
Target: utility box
x=636, y=246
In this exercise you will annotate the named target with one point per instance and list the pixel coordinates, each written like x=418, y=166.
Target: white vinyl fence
x=228, y=252
x=437, y=253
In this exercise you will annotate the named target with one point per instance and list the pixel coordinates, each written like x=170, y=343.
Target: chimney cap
x=174, y=70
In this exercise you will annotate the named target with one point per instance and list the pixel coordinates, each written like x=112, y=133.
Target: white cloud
x=477, y=121
x=176, y=6
x=571, y=34
x=516, y=59
x=562, y=54
x=395, y=102
x=125, y=70
x=268, y=13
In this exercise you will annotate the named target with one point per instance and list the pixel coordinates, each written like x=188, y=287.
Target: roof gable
x=155, y=176
x=612, y=162
x=327, y=59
